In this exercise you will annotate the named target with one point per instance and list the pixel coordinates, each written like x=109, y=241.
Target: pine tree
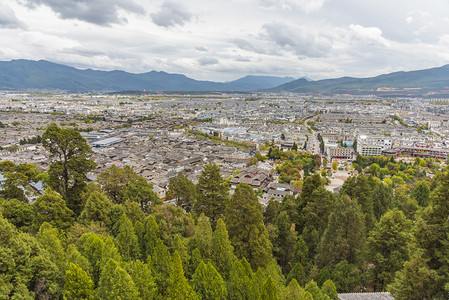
x=382, y=200
x=298, y=274
x=314, y=290
x=212, y=195
x=96, y=209
x=293, y=291
x=115, y=283
x=203, y=237
x=329, y=289
x=345, y=276
x=51, y=208
x=126, y=241
x=143, y=279
x=150, y=236
x=269, y=290
x=417, y=281
x=323, y=276
x=183, y=190
x=222, y=251
x=179, y=287
x=239, y=282
x=207, y=282
x=78, y=284
x=247, y=232
x=421, y=193
x=161, y=265
x=284, y=241
x=258, y=279
x=344, y=236
x=388, y=248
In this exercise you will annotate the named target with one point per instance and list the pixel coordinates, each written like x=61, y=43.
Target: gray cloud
x=171, y=14
x=207, y=61
x=100, y=12
x=302, y=43
x=201, y=49
x=8, y=18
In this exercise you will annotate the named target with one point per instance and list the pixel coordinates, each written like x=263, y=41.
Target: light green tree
x=78, y=284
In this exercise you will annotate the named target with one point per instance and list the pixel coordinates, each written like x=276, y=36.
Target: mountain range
x=432, y=82
x=44, y=75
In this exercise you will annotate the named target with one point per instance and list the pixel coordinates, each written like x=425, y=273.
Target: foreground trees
x=70, y=153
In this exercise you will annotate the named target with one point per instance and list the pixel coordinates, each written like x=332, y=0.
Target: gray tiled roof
x=365, y=296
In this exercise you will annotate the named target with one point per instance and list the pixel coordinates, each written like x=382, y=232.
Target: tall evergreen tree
x=96, y=209
x=222, y=251
x=328, y=288
x=421, y=193
x=388, y=247
x=247, y=232
x=239, y=282
x=207, y=282
x=183, y=190
x=51, y=208
x=203, y=237
x=143, y=279
x=151, y=236
x=212, y=196
x=179, y=287
x=68, y=172
x=269, y=290
x=293, y=291
x=344, y=236
x=161, y=265
x=116, y=283
x=78, y=284
x=126, y=241
x=382, y=200
x=284, y=241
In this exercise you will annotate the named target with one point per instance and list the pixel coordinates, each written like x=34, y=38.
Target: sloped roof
x=365, y=296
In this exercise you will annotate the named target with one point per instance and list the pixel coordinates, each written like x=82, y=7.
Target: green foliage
x=203, y=237
x=247, y=232
x=344, y=236
x=346, y=276
x=208, y=283
x=19, y=213
x=329, y=289
x=284, y=241
x=293, y=291
x=141, y=191
x=298, y=274
x=126, y=241
x=51, y=208
x=239, y=282
x=96, y=209
x=179, y=287
x=222, y=254
x=115, y=181
x=116, y=283
x=67, y=175
x=388, y=247
x=212, y=195
x=78, y=284
x=143, y=279
x=183, y=190
x=269, y=290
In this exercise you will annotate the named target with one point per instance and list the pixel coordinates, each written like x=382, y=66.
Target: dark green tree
x=416, y=281
x=247, y=232
x=51, y=208
x=284, y=241
x=388, y=247
x=382, y=200
x=141, y=191
x=421, y=193
x=126, y=241
x=96, y=209
x=116, y=283
x=208, y=283
x=179, y=287
x=161, y=263
x=183, y=190
x=150, y=237
x=344, y=236
x=346, y=276
x=297, y=273
x=239, y=282
x=269, y=290
x=212, y=196
x=18, y=213
x=222, y=255
x=67, y=174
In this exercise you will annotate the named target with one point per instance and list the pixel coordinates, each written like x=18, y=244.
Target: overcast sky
x=223, y=40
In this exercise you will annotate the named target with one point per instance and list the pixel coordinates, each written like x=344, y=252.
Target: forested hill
x=386, y=230
x=44, y=75
x=430, y=82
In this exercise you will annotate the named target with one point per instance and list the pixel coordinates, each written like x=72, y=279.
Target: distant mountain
x=43, y=75
x=430, y=82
